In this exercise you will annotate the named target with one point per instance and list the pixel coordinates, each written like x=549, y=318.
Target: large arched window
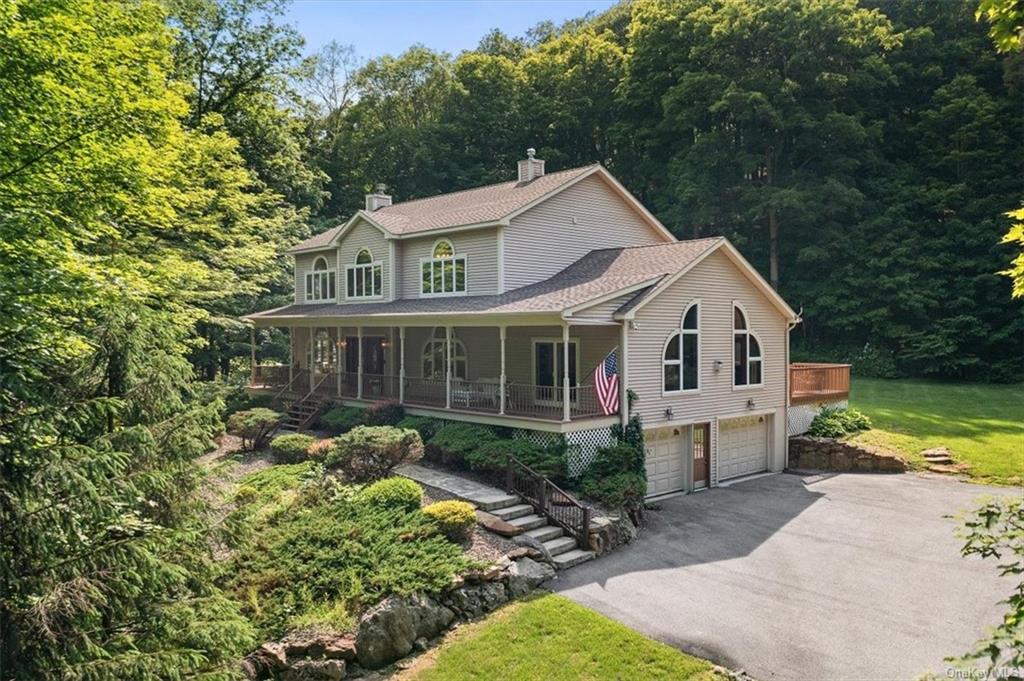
x=364, y=279
x=444, y=272
x=681, y=358
x=320, y=282
x=433, y=356
x=746, y=354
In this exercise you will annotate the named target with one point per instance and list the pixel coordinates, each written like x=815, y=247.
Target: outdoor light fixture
x=341, y=343
x=668, y=413
x=750, y=403
x=718, y=365
x=385, y=343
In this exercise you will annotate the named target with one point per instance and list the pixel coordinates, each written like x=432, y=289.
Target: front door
x=701, y=455
x=373, y=355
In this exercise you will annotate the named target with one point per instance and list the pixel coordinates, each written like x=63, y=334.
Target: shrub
x=318, y=450
x=455, y=519
x=838, y=422
x=492, y=457
x=619, y=458
x=253, y=426
x=369, y=453
x=622, y=490
x=454, y=442
x=383, y=413
x=291, y=448
x=340, y=420
x=394, y=493
x=246, y=494
x=426, y=426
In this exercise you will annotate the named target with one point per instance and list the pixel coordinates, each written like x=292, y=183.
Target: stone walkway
x=482, y=496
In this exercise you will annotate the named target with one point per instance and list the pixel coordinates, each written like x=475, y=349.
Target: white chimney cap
x=531, y=152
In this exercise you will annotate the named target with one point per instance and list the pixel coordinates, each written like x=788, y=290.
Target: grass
x=981, y=424
x=551, y=638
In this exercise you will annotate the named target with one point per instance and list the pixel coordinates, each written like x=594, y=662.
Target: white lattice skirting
x=800, y=416
x=582, y=445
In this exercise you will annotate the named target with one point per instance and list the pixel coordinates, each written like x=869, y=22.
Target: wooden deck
x=818, y=382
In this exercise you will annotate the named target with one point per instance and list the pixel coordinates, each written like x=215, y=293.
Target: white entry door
x=665, y=459
x=742, y=446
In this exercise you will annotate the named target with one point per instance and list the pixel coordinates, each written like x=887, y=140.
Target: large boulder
x=525, y=575
x=315, y=670
x=388, y=631
x=491, y=522
x=535, y=545
x=477, y=599
x=317, y=645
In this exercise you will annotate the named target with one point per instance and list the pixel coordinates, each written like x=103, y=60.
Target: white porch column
x=337, y=359
x=401, y=365
x=565, y=372
x=291, y=354
x=624, y=372
x=359, y=364
x=501, y=381
x=447, y=367
x=252, y=355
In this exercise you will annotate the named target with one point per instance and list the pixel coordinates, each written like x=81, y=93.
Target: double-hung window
x=364, y=279
x=320, y=282
x=444, y=273
x=681, y=360
x=746, y=354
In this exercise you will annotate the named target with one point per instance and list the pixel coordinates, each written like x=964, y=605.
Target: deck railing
x=426, y=392
x=818, y=382
x=548, y=500
x=380, y=387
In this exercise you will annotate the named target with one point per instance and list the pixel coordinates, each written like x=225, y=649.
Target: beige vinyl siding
x=480, y=246
x=603, y=312
x=304, y=265
x=595, y=343
x=544, y=240
x=363, y=235
x=717, y=283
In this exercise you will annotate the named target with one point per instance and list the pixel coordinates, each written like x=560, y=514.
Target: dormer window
x=364, y=279
x=320, y=282
x=443, y=274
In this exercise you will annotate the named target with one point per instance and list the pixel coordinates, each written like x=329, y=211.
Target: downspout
x=789, y=327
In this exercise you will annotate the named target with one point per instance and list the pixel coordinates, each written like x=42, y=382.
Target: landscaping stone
x=315, y=670
x=343, y=648
x=535, y=545
x=496, y=525
x=272, y=655
x=388, y=631
x=607, y=534
x=476, y=600
x=938, y=455
x=830, y=454
x=525, y=575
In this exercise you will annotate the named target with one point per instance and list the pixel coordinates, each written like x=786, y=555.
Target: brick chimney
x=530, y=168
x=378, y=199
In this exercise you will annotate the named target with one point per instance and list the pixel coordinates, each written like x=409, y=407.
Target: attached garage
x=666, y=451
x=742, y=446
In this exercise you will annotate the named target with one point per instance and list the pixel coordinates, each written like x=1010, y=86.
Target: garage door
x=665, y=450
x=742, y=446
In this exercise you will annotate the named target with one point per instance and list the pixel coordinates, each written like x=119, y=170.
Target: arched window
x=364, y=279
x=433, y=356
x=320, y=282
x=681, y=359
x=324, y=352
x=444, y=272
x=746, y=354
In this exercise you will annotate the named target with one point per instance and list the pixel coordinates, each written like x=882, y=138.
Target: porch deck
x=811, y=382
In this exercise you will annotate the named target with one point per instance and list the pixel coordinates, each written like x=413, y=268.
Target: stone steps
x=545, y=532
x=511, y=512
x=564, y=561
x=561, y=547
x=529, y=522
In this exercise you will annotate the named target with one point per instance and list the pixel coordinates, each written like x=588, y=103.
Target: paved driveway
x=805, y=577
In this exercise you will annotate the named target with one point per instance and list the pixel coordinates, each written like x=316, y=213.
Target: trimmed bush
x=838, y=423
x=454, y=442
x=368, y=453
x=619, y=458
x=426, y=426
x=340, y=420
x=318, y=450
x=384, y=413
x=492, y=456
x=622, y=490
x=291, y=448
x=455, y=519
x=394, y=493
x=253, y=426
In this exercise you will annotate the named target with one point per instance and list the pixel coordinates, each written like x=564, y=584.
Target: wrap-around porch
x=541, y=372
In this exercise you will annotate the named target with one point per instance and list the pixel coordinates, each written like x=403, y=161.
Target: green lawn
x=981, y=424
x=552, y=638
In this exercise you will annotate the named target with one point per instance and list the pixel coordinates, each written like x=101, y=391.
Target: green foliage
x=253, y=426
x=340, y=420
x=621, y=490
x=617, y=477
x=426, y=426
x=455, y=519
x=369, y=453
x=1015, y=236
x=453, y=443
x=274, y=484
x=341, y=554
x=400, y=493
x=831, y=422
x=492, y=457
x=995, y=530
x=1006, y=23
x=619, y=458
x=384, y=413
x=291, y=448
x=632, y=435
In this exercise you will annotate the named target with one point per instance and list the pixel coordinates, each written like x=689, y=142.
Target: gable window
x=364, y=279
x=320, y=282
x=433, y=356
x=444, y=273
x=746, y=354
x=681, y=361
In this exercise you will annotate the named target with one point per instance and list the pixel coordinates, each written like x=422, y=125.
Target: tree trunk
x=773, y=248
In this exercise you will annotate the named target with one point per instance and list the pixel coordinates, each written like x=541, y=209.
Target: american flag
x=606, y=383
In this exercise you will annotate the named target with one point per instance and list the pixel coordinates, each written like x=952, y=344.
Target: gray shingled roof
x=595, y=275
x=489, y=203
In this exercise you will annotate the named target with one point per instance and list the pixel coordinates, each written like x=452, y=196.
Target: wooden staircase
x=303, y=412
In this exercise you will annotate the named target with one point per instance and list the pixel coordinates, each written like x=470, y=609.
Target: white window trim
x=431, y=259
x=365, y=266
x=558, y=385
x=681, y=332
x=732, y=352
x=312, y=274
x=431, y=339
